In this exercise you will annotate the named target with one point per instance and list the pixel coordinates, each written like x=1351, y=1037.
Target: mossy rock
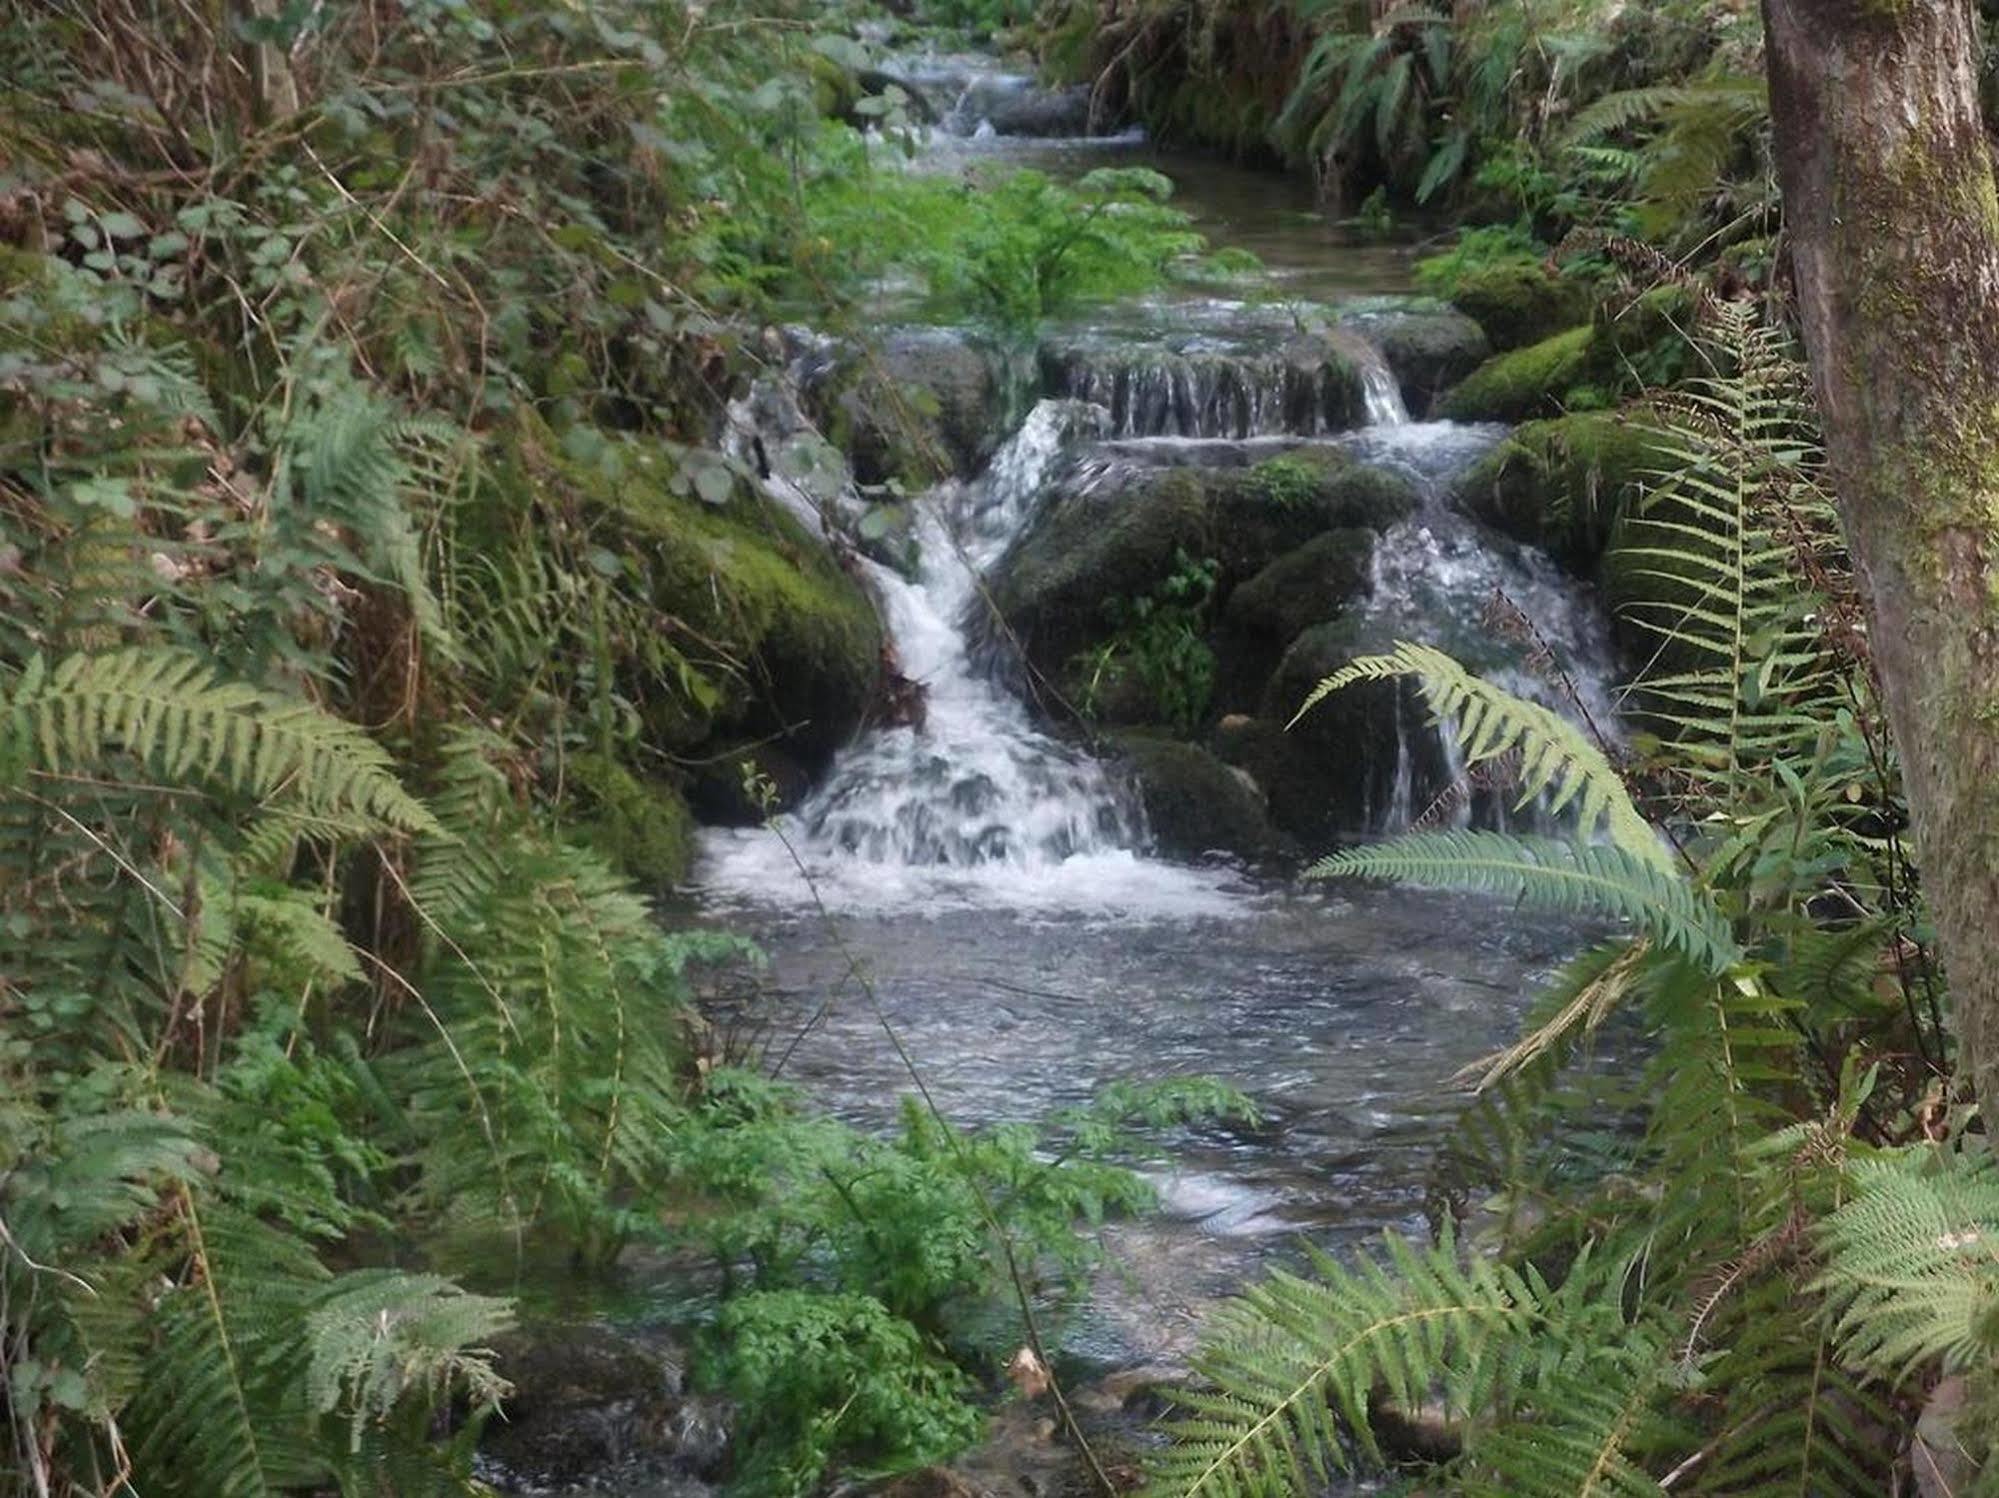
x=1525, y=383
x=643, y=826
x=773, y=637
x=926, y=403
x=1194, y=803
x=1561, y=484
x=1113, y=539
x=1318, y=581
x=1429, y=347
x=1336, y=773
x=1520, y=302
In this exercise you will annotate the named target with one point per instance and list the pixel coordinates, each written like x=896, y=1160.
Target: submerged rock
x=588, y=1403
x=1194, y=803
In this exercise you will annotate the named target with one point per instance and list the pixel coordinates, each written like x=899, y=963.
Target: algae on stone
x=1560, y=484
x=1527, y=382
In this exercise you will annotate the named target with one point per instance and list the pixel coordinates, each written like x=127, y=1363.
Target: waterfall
x=1496, y=605
x=1379, y=387
x=973, y=803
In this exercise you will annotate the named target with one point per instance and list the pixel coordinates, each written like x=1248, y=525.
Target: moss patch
x=778, y=638
x=1528, y=382
x=1519, y=302
x=1561, y=484
x=642, y=826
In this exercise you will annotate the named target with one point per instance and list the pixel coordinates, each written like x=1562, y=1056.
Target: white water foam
x=974, y=805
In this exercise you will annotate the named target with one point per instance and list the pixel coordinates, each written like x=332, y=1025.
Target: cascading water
x=971, y=804
x=1502, y=609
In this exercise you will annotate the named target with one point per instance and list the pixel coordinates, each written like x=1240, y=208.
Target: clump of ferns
x=1728, y=1262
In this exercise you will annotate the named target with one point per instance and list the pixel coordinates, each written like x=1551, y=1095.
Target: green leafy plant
x=1757, y=1270
x=1159, y=639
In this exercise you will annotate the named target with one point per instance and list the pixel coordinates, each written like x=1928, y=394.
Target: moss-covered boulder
x=1318, y=581
x=1524, y=383
x=644, y=826
x=769, y=635
x=924, y=403
x=1518, y=302
x=1561, y=484
x=1429, y=347
x=1121, y=533
x=1194, y=803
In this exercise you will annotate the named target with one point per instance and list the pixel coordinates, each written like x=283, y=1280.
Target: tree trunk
x=1894, y=230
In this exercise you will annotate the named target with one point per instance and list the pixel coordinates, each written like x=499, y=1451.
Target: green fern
x=1296, y=1361
x=1912, y=1262
x=1576, y=879
x=172, y=713
x=1553, y=756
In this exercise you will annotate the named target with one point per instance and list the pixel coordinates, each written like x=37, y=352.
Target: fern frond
x=1912, y=1262
x=376, y=1336
x=1586, y=879
x=173, y=713
x=1295, y=1360
x=1554, y=757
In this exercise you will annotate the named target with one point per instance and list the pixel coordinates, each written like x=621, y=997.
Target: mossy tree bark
x=1894, y=230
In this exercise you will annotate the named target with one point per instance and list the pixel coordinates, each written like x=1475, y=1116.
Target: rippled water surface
x=1342, y=1017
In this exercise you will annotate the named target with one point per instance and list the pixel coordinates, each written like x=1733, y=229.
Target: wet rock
x=1561, y=484
x=1518, y=302
x=1525, y=383
x=720, y=795
x=1338, y=773
x=586, y=1401
x=1145, y=1390
x=1194, y=803
x=925, y=403
x=1116, y=531
x=1317, y=582
x=1425, y=1432
x=1046, y=113
x=933, y=1482
x=1937, y=1455
x=1428, y=346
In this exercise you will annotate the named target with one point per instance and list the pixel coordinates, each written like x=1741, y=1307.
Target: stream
x=996, y=885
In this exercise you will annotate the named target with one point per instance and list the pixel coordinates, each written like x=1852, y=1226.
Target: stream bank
x=1041, y=907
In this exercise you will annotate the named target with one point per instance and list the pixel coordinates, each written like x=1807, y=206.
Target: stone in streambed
x=1195, y=804
x=1428, y=346
x=588, y=1402
x=1561, y=484
x=1121, y=534
x=1318, y=581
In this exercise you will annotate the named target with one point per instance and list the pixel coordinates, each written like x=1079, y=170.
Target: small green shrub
x=819, y=1379
x=1160, y=637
